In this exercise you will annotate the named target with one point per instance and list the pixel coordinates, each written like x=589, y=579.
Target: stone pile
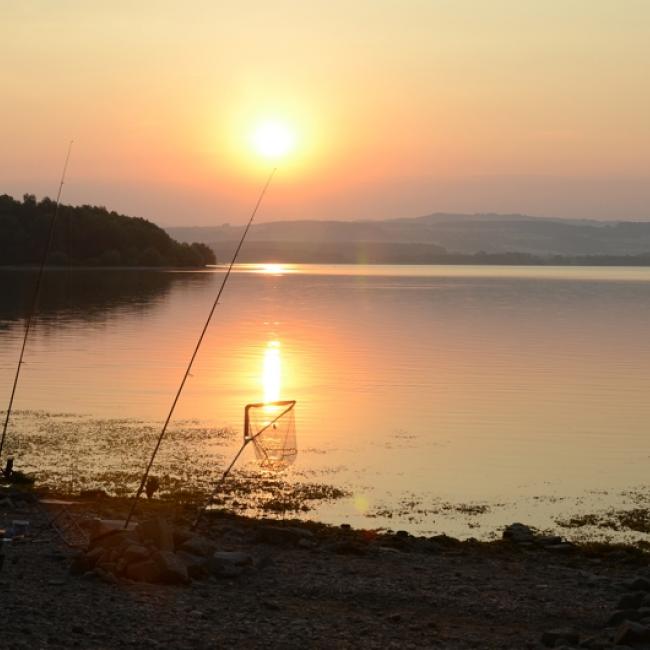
x=525, y=536
x=631, y=617
x=627, y=628
x=157, y=552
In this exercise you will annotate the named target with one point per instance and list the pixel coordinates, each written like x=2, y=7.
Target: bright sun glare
x=272, y=268
x=273, y=139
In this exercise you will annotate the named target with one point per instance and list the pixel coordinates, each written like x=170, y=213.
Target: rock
x=198, y=545
x=172, y=568
x=222, y=562
x=263, y=561
x=240, y=558
x=445, y=540
x=518, y=533
x=120, y=566
x=427, y=546
x=631, y=601
x=229, y=564
x=147, y=571
x=57, y=556
x=86, y=561
x=112, y=539
x=282, y=535
x=197, y=566
x=548, y=540
x=107, y=566
x=271, y=604
x=106, y=576
x=526, y=544
x=551, y=638
x=135, y=553
x=638, y=584
x=401, y=542
x=158, y=532
x=346, y=547
x=305, y=542
x=631, y=633
x=564, y=547
x=181, y=535
x=234, y=535
x=595, y=643
x=93, y=556
x=219, y=570
x=594, y=580
x=621, y=615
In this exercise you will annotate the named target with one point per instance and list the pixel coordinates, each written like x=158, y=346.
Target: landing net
x=271, y=427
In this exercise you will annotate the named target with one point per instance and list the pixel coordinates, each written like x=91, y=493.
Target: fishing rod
x=196, y=348
x=35, y=297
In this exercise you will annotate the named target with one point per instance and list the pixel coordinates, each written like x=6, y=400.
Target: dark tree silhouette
x=89, y=236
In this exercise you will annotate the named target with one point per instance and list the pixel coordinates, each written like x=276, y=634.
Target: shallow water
x=521, y=391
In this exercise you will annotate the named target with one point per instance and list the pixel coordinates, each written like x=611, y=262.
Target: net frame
x=282, y=452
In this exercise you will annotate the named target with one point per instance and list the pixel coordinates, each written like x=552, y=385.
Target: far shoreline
x=475, y=263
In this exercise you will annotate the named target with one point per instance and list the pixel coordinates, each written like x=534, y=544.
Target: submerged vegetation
x=635, y=519
x=71, y=454
x=89, y=236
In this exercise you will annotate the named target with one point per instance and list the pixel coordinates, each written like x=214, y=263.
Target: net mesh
x=272, y=429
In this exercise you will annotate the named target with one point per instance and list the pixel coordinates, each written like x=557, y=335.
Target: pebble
x=631, y=633
x=550, y=638
x=631, y=601
x=638, y=584
x=621, y=615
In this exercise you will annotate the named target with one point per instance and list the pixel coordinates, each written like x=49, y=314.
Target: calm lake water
x=452, y=399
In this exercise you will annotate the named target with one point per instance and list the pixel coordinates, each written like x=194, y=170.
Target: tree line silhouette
x=89, y=236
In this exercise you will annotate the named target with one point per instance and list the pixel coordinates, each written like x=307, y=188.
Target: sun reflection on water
x=272, y=372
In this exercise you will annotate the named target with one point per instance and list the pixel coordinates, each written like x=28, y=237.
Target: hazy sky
x=400, y=107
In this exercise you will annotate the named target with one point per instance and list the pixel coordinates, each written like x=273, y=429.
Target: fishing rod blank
x=196, y=350
x=35, y=297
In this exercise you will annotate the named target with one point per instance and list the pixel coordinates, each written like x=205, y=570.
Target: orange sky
x=400, y=108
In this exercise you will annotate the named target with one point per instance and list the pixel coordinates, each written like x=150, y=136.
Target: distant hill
x=330, y=252
x=89, y=236
x=456, y=233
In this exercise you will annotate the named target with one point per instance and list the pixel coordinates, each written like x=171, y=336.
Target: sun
x=273, y=139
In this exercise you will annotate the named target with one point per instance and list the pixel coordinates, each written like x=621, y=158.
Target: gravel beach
x=317, y=586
